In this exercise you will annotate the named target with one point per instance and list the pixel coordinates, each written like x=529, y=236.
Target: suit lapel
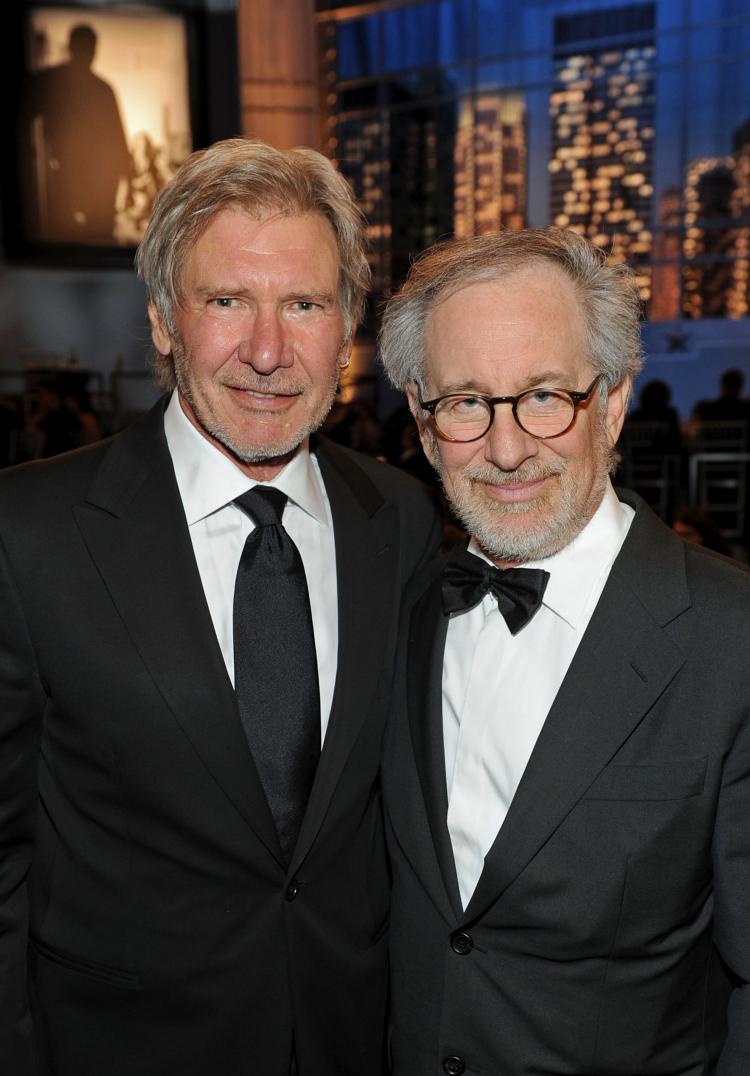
x=622, y=665
x=367, y=570
x=134, y=527
x=428, y=629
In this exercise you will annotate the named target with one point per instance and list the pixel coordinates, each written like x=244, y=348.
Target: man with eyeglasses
x=567, y=772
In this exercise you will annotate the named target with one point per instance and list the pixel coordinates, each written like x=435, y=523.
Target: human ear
x=159, y=335
x=345, y=352
x=425, y=433
x=617, y=404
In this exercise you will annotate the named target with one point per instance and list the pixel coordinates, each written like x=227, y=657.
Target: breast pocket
x=676, y=780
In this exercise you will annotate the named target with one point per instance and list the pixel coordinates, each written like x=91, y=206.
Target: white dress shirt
x=498, y=688
x=208, y=482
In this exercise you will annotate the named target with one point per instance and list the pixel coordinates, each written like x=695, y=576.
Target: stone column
x=278, y=71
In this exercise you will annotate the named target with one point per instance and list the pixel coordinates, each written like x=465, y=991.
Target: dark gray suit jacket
x=137, y=852
x=609, y=933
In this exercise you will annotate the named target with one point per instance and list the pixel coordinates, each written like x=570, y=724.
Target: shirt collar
x=208, y=480
x=579, y=570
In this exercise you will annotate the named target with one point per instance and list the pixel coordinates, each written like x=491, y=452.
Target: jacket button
x=454, y=1066
x=292, y=889
x=462, y=944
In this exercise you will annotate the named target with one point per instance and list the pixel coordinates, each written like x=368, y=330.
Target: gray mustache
x=531, y=471
x=268, y=388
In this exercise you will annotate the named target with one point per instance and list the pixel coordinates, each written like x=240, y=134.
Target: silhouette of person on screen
x=79, y=146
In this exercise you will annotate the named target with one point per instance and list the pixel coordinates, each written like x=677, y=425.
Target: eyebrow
x=312, y=296
x=293, y=295
x=476, y=388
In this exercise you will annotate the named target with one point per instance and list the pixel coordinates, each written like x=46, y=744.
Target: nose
x=506, y=444
x=264, y=346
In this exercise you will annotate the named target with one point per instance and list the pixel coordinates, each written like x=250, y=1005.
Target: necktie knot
x=264, y=505
x=519, y=591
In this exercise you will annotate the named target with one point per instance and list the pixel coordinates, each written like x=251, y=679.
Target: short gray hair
x=250, y=175
x=608, y=295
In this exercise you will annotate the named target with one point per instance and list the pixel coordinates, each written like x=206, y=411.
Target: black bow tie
x=519, y=591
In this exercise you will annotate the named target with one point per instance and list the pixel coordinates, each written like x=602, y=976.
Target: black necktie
x=519, y=591
x=275, y=670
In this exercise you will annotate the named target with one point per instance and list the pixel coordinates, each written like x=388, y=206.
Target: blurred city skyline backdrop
x=627, y=122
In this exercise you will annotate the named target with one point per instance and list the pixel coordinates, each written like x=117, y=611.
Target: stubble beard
x=498, y=526
x=246, y=452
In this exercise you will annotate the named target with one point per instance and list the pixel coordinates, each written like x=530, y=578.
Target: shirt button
x=454, y=1066
x=462, y=944
x=292, y=889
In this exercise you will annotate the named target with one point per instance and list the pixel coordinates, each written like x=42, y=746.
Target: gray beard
x=245, y=453
x=484, y=518
x=256, y=454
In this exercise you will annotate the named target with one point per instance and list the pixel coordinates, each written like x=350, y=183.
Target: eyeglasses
x=541, y=412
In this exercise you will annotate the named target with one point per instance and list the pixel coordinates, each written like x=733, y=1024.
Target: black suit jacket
x=610, y=928
x=138, y=855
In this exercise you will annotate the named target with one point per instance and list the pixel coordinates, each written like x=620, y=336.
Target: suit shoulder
x=417, y=517
x=715, y=579
x=66, y=479
x=674, y=573
x=55, y=478
x=393, y=484
x=399, y=484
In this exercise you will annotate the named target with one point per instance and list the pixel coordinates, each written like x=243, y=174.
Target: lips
x=264, y=395
x=517, y=491
x=517, y=487
x=262, y=399
x=267, y=390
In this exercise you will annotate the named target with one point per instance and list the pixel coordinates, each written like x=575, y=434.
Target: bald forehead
x=531, y=277
x=530, y=319
x=539, y=287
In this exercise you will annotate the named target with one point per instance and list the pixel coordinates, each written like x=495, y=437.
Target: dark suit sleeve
x=421, y=522
x=22, y=703
x=731, y=851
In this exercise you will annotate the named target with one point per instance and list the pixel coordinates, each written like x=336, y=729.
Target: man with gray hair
x=196, y=653
x=567, y=773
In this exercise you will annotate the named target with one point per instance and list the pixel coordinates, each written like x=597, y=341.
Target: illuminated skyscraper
x=360, y=156
x=717, y=232
x=602, y=110
x=667, y=249
x=421, y=192
x=709, y=241
x=738, y=300
x=490, y=164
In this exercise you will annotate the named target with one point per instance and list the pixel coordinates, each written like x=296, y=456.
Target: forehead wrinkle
x=283, y=243
x=552, y=379
x=505, y=336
